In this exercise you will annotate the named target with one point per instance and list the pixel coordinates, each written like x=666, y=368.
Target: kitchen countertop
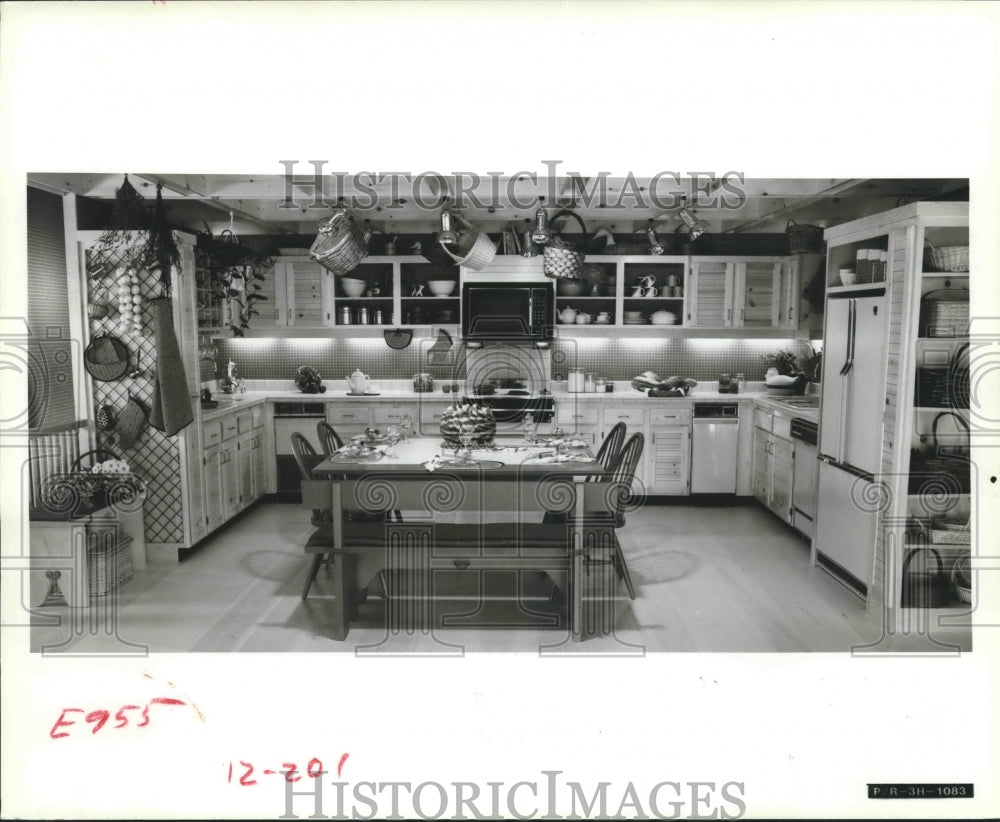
x=624, y=394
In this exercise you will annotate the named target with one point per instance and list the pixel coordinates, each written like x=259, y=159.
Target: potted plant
x=232, y=273
x=785, y=362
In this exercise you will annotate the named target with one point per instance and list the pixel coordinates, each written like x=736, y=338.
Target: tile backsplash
x=615, y=359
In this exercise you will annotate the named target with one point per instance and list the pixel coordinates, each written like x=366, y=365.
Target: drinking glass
x=466, y=435
x=530, y=427
x=406, y=424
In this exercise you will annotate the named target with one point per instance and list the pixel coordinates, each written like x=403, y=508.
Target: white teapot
x=568, y=315
x=357, y=383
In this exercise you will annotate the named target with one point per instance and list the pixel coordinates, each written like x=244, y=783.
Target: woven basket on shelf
x=803, y=238
x=946, y=258
x=474, y=248
x=341, y=244
x=946, y=312
x=950, y=531
x=961, y=578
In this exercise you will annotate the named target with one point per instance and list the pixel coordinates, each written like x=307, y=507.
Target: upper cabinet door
x=758, y=291
x=307, y=301
x=710, y=295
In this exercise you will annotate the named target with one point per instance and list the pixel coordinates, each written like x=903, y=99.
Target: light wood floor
x=709, y=578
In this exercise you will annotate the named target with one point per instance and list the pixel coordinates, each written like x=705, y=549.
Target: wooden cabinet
x=669, y=459
x=710, y=294
x=634, y=417
x=668, y=441
x=773, y=470
x=929, y=487
x=580, y=418
x=752, y=292
x=302, y=292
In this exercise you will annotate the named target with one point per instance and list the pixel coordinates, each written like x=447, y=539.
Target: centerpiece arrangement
x=468, y=424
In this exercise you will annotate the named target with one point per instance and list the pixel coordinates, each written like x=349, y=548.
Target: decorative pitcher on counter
x=357, y=383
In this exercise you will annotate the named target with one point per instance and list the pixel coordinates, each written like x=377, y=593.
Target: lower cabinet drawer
x=244, y=422
x=230, y=427
x=572, y=413
x=211, y=433
x=781, y=426
x=386, y=414
x=669, y=416
x=431, y=414
x=630, y=416
x=762, y=419
x=347, y=416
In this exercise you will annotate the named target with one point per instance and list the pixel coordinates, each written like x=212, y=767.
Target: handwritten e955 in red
x=126, y=715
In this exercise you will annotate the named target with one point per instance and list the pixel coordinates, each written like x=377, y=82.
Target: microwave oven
x=508, y=311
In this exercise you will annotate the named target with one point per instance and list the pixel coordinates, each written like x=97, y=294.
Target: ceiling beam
x=200, y=193
x=833, y=191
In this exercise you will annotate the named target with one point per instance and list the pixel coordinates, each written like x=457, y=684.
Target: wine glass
x=530, y=427
x=406, y=423
x=466, y=435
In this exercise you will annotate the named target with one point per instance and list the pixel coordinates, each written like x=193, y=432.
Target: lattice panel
x=154, y=457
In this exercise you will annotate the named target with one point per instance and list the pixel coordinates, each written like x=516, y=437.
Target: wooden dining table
x=511, y=476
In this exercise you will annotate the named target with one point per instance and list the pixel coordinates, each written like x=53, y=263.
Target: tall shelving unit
x=914, y=498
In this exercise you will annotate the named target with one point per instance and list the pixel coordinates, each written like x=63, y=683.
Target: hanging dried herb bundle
x=123, y=244
x=161, y=250
x=232, y=272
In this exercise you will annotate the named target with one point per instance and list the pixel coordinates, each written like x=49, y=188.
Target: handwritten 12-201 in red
x=99, y=718
x=314, y=768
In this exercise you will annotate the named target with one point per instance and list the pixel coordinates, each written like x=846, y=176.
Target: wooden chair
x=306, y=459
x=609, y=449
x=414, y=550
x=622, y=472
x=329, y=439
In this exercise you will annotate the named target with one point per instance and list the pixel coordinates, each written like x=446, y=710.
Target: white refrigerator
x=851, y=419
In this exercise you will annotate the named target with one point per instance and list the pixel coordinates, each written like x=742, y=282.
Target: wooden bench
x=507, y=532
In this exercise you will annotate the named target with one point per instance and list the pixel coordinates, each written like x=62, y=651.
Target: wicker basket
x=474, y=248
x=106, y=358
x=946, y=312
x=961, y=578
x=341, y=244
x=562, y=261
x=925, y=588
x=946, y=258
x=109, y=563
x=950, y=531
x=803, y=238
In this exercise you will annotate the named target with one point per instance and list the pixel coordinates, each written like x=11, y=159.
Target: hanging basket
x=106, y=358
x=341, y=244
x=562, y=258
x=803, y=238
x=474, y=248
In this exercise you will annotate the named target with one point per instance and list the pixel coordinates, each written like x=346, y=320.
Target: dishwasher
x=806, y=477
x=291, y=418
x=714, y=434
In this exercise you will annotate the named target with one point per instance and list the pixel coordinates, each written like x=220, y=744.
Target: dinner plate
x=369, y=456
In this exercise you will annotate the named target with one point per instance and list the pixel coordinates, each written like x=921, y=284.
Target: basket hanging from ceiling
x=341, y=243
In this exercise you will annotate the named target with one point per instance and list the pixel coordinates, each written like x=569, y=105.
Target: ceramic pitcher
x=357, y=383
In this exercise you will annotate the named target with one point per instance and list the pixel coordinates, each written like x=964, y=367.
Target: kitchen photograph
x=498, y=414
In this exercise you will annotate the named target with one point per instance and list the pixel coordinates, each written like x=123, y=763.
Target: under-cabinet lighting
x=254, y=343
x=648, y=343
